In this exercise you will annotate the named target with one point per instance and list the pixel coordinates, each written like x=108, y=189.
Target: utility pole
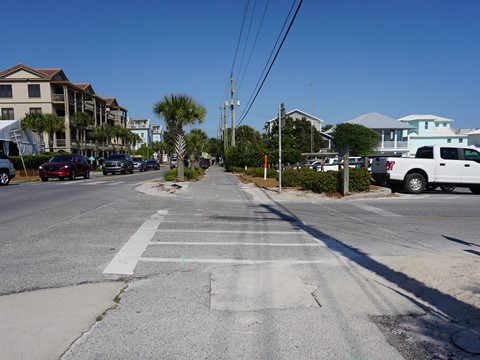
x=225, y=129
x=311, y=122
x=232, y=107
x=281, y=116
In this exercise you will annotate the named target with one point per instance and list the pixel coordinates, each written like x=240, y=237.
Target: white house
x=394, y=134
x=474, y=138
x=297, y=115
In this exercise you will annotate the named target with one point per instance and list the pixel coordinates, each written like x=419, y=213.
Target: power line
x=253, y=46
x=271, y=65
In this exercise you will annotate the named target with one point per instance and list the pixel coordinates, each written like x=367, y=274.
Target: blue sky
x=341, y=59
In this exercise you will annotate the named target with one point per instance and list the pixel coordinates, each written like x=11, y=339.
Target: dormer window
x=426, y=125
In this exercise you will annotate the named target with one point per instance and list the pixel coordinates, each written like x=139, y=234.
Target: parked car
x=7, y=171
x=64, y=166
x=173, y=162
x=139, y=163
x=153, y=165
x=121, y=163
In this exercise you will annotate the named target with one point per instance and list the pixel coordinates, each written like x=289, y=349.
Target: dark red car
x=65, y=166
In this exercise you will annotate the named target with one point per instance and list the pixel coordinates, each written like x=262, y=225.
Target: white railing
x=394, y=145
x=58, y=97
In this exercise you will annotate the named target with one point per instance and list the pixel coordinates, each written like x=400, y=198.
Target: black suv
x=122, y=163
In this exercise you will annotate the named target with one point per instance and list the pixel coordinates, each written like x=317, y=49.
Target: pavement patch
x=42, y=324
x=257, y=288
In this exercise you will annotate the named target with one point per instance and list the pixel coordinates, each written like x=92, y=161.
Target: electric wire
x=250, y=103
x=253, y=47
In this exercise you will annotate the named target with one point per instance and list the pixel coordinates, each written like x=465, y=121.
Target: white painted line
x=298, y=232
x=233, y=261
x=116, y=183
x=231, y=243
x=96, y=182
x=376, y=210
x=127, y=258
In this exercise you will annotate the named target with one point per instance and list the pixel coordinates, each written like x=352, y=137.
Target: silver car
x=7, y=171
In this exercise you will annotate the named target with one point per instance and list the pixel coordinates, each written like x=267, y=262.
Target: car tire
x=414, y=183
x=105, y=173
x=44, y=179
x=87, y=175
x=131, y=171
x=4, y=178
x=73, y=175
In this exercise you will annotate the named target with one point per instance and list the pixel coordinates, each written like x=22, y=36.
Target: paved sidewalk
x=43, y=324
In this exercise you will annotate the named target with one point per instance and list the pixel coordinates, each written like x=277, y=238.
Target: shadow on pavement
x=450, y=315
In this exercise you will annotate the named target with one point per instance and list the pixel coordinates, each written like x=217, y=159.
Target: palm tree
x=197, y=141
x=177, y=112
x=98, y=133
x=36, y=123
x=116, y=131
x=81, y=121
x=53, y=123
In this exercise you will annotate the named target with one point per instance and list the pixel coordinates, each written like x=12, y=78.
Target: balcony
x=387, y=145
x=89, y=105
x=58, y=98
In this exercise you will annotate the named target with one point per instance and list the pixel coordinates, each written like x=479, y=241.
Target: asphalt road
x=219, y=270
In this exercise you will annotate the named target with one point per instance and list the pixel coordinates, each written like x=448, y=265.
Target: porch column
x=68, y=140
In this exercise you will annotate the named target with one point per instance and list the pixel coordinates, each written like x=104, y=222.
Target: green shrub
x=260, y=172
x=324, y=182
x=190, y=174
x=290, y=178
x=359, y=180
x=31, y=161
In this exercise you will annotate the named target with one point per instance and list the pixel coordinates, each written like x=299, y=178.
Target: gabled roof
x=374, y=120
x=86, y=87
x=424, y=117
x=303, y=113
x=475, y=132
x=111, y=101
x=50, y=74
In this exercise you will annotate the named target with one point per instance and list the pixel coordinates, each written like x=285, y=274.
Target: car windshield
x=151, y=162
x=116, y=157
x=137, y=159
x=62, y=158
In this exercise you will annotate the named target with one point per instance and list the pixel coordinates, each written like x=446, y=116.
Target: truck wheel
x=475, y=189
x=431, y=187
x=447, y=188
x=414, y=183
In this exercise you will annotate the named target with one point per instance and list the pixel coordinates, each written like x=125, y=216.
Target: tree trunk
x=180, y=149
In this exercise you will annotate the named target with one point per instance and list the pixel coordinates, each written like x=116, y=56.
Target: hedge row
x=319, y=182
x=31, y=161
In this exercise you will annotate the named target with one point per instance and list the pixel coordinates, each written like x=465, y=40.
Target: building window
x=437, y=125
x=6, y=91
x=36, y=110
x=460, y=141
x=34, y=90
x=444, y=124
x=7, y=113
x=449, y=141
x=426, y=125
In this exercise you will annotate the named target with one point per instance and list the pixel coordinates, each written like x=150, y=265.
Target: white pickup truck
x=437, y=165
